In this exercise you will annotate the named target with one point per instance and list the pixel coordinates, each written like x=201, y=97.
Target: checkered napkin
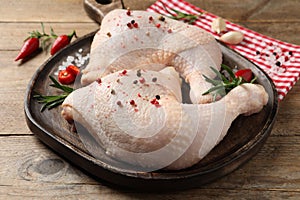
x=280, y=60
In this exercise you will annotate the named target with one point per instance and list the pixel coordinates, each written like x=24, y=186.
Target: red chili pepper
x=61, y=41
x=246, y=74
x=73, y=70
x=65, y=77
x=30, y=46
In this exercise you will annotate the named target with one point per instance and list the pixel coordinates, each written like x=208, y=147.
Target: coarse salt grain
x=78, y=59
x=70, y=58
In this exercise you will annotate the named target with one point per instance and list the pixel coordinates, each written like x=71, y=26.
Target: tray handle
x=97, y=9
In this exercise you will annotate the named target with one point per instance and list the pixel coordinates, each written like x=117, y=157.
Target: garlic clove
x=218, y=25
x=232, y=37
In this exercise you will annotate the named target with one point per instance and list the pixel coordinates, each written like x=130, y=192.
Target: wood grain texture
x=29, y=170
x=45, y=11
x=39, y=173
x=11, y=39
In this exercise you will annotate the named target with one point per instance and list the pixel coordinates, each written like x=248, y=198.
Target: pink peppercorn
x=135, y=25
x=142, y=80
x=124, y=72
x=129, y=25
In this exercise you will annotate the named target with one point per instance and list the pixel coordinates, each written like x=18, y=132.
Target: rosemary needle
x=222, y=84
x=177, y=15
x=53, y=101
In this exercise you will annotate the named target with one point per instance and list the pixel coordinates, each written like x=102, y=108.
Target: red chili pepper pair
x=32, y=43
x=68, y=75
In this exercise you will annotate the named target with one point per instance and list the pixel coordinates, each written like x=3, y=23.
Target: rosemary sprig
x=222, y=84
x=188, y=18
x=53, y=101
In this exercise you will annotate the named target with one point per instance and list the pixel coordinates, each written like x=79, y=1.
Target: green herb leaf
x=53, y=33
x=189, y=18
x=221, y=84
x=57, y=85
x=53, y=101
x=215, y=88
x=212, y=81
x=229, y=70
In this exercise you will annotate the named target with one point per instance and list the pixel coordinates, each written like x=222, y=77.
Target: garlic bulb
x=232, y=37
x=218, y=25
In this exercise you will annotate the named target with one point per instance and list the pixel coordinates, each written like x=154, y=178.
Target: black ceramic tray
x=244, y=139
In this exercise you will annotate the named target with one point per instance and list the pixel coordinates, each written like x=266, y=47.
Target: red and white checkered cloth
x=280, y=60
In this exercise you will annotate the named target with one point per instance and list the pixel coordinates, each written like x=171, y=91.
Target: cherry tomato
x=73, y=69
x=246, y=74
x=65, y=77
x=30, y=46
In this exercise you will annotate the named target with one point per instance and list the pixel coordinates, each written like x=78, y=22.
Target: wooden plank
x=17, y=78
x=13, y=87
x=13, y=35
x=14, y=83
x=255, y=15
x=72, y=10
x=23, y=76
x=218, y=7
x=241, y=11
x=46, y=11
x=287, y=122
x=253, y=11
x=12, y=39
x=39, y=173
x=289, y=33
x=278, y=11
x=29, y=170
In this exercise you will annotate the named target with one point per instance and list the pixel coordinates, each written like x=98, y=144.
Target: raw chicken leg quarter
x=137, y=117
x=143, y=40
x=132, y=104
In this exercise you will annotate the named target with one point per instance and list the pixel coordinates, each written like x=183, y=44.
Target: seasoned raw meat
x=132, y=104
x=137, y=117
x=144, y=40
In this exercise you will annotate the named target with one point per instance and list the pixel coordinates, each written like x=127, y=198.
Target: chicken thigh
x=143, y=40
x=138, y=118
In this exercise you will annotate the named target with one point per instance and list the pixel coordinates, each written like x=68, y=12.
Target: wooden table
x=28, y=169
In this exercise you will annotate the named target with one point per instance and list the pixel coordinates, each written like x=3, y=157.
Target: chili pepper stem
x=52, y=33
x=73, y=34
